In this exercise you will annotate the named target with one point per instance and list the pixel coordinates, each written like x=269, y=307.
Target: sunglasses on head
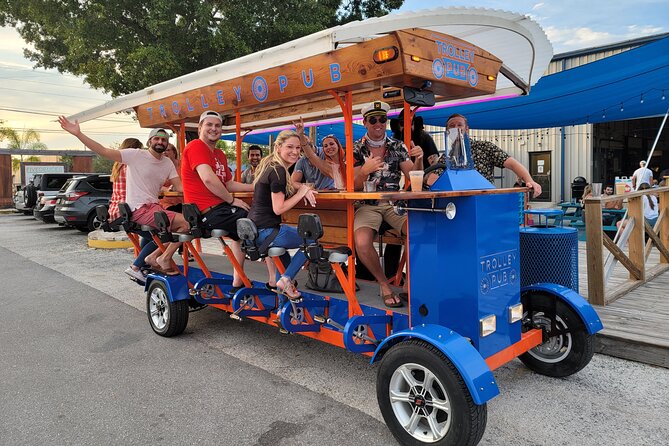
x=373, y=119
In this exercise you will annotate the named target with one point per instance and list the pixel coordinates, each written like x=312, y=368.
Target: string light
x=621, y=107
x=663, y=95
x=603, y=114
x=642, y=98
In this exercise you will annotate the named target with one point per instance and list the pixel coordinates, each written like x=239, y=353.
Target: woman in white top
x=650, y=206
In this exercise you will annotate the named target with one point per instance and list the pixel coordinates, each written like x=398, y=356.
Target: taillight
x=74, y=196
x=52, y=201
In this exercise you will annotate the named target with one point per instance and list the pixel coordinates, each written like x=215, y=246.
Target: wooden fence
x=632, y=247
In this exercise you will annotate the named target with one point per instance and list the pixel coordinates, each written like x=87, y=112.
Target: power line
x=52, y=113
x=53, y=94
x=49, y=83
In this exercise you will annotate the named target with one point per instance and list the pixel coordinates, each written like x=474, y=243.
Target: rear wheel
x=30, y=196
x=166, y=318
x=92, y=223
x=567, y=346
x=424, y=400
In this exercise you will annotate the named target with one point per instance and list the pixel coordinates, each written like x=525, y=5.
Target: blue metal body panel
x=177, y=286
x=467, y=268
x=473, y=369
x=581, y=306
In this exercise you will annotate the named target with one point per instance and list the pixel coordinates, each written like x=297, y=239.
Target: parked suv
x=43, y=185
x=77, y=199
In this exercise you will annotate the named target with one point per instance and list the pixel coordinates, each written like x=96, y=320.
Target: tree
x=122, y=46
x=27, y=139
x=102, y=165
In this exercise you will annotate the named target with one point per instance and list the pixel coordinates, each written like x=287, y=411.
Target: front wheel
x=567, y=346
x=424, y=400
x=166, y=318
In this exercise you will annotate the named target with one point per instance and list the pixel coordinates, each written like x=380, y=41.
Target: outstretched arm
x=522, y=173
x=74, y=129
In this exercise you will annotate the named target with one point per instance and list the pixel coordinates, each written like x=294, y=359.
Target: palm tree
x=27, y=139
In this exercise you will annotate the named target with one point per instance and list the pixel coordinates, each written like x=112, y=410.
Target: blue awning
x=337, y=129
x=633, y=84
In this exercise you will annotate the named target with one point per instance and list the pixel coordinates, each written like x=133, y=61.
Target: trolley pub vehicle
x=467, y=314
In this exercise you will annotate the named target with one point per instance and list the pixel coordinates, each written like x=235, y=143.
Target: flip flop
x=394, y=299
x=167, y=272
x=404, y=296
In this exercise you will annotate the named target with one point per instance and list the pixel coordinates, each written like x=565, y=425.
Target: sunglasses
x=373, y=119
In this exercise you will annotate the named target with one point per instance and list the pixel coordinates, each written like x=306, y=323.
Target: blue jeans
x=286, y=238
x=148, y=246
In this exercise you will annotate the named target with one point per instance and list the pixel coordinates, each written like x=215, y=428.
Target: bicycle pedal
x=236, y=317
x=283, y=331
x=321, y=319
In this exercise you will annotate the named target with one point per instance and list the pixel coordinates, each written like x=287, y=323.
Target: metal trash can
x=548, y=253
x=577, y=188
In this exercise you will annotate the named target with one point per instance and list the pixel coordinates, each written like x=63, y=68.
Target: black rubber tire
x=92, y=223
x=176, y=313
x=30, y=196
x=576, y=347
x=469, y=419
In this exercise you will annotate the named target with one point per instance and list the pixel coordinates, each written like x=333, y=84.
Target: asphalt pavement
x=79, y=364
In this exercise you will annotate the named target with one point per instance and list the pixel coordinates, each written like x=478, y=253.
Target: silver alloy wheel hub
x=158, y=308
x=557, y=347
x=420, y=402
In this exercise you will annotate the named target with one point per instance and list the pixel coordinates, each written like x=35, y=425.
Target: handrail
x=637, y=248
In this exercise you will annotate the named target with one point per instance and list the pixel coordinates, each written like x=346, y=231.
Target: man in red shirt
x=207, y=182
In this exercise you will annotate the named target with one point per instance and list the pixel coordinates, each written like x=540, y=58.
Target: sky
x=31, y=98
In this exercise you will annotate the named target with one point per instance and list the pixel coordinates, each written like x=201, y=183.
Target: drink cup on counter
x=370, y=186
x=596, y=190
x=416, y=177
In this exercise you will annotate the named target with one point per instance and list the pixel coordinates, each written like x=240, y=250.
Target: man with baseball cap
x=208, y=183
x=147, y=171
x=380, y=159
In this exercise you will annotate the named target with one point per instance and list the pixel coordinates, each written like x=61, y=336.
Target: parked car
x=77, y=199
x=43, y=185
x=19, y=201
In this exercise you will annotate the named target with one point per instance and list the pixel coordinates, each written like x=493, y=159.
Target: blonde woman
x=275, y=194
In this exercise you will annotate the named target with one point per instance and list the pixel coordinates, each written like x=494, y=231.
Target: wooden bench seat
x=333, y=219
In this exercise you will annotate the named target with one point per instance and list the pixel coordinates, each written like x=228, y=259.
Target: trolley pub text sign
x=455, y=67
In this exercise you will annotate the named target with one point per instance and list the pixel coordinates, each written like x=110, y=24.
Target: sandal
x=404, y=296
x=274, y=289
x=392, y=300
x=286, y=287
x=167, y=272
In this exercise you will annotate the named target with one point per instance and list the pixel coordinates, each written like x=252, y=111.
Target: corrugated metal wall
x=574, y=141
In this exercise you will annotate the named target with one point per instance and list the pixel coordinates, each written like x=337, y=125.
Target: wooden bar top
x=401, y=195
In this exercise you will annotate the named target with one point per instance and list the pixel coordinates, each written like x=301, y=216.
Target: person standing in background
x=642, y=175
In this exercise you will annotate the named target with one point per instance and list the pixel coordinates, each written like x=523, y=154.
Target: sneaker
x=137, y=275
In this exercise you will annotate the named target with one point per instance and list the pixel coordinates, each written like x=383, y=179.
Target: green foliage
x=69, y=160
x=25, y=139
x=122, y=46
x=102, y=165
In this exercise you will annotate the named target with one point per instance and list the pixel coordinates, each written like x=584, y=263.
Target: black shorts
x=224, y=217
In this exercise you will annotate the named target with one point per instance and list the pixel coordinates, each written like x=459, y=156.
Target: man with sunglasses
x=380, y=159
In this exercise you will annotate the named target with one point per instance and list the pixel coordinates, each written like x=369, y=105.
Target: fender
x=473, y=369
x=177, y=286
x=581, y=306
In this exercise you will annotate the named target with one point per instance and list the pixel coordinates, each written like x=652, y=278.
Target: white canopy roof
x=514, y=38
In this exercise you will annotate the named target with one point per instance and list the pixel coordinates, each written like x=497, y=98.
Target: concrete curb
x=108, y=240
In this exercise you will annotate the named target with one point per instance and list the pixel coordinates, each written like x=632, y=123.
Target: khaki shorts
x=371, y=216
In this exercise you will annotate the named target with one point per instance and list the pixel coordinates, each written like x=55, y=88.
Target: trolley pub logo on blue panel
x=454, y=62
x=498, y=270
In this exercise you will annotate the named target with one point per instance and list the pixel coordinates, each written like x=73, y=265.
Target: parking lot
x=612, y=401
